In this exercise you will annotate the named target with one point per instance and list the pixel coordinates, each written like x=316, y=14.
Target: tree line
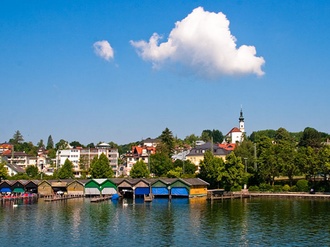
x=262, y=158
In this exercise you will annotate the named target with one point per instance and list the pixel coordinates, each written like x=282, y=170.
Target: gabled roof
x=227, y=146
x=15, y=168
x=195, y=181
x=8, y=153
x=201, y=149
x=235, y=129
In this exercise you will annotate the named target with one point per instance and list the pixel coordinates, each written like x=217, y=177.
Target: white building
x=81, y=158
x=236, y=134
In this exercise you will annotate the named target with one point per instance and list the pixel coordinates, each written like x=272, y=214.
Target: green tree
x=235, y=174
x=139, y=170
x=175, y=173
x=324, y=162
x=267, y=163
x=26, y=147
x=62, y=144
x=41, y=144
x=76, y=144
x=212, y=170
x=187, y=167
x=160, y=164
x=217, y=136
x=285, y=153
x=66, y=171
x=3, y=170
x=100, y=167
x=167, y=142
x=32, y=171
x=206, y=135
x=308, y=162
x=257, y=135
x=246, y=152
x=50, y=143
x=51, y=153
x=191, y=140
x=17, y=138
x=90, y=145
x=311, y=138
x=113, y=145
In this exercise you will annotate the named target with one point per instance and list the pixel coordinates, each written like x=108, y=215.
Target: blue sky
x=123, y=71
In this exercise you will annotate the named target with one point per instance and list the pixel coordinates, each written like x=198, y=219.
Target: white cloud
x=203, y=43
x=103, y=49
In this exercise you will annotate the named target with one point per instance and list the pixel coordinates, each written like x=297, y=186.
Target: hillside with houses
x=230, y=161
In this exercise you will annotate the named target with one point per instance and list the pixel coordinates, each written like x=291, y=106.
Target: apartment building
x=81, y=158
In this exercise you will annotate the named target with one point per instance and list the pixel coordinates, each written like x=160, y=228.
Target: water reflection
x=179, y=222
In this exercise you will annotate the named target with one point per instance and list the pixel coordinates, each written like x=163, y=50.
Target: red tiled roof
x=229, y=147
x=235, y=129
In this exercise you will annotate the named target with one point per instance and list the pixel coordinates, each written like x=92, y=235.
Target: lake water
x=181, y=222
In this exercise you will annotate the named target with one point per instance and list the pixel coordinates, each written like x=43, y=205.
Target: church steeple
x=241, y=121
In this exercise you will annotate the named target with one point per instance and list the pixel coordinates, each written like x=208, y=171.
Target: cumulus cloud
x=203, y=43
x=103, y=49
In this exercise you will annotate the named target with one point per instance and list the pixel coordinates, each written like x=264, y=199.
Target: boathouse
x=32, y=186
x=76, y=187
x=197, y=186
x=179, y=188
x=5, y=186
x=161, y=187
x=141, y=188
x=125, y=187
x=100, y=186
x=18, y=186
x=45, y=188
x=107, y=187
x=60, y=185
x=92, y=188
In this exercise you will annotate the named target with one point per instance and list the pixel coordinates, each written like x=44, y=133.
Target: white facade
x=76, y=155
x=236, y=137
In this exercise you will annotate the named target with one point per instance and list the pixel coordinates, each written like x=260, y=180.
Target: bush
x=302, y=185
x=286, y=188
x=277, y=188
x=236, y=188
x=254, y=188
x=265, y=187
x=294, y=189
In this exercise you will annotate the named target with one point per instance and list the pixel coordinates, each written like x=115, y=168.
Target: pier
x=101, y=199
x=61, y=198
x=221, y=194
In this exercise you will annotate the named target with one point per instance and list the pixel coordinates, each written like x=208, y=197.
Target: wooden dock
x=61, y=198
x=221, y=194
x=148, y=198
x=101, y=199
x=291, y=195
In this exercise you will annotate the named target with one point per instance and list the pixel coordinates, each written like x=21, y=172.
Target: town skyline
x=120, y=71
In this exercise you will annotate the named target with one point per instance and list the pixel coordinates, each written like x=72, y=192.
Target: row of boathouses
x=160, y=187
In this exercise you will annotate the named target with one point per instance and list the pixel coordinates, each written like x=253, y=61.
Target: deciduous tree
x=32, y=171
x=100, y=167
x=160, y=164
x=66, y=171
x=3, y=170
x=139, y=170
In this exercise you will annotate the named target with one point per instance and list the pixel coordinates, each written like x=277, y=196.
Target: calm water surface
x=181, y=222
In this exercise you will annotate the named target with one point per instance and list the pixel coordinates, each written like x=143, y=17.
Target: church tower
x=241, y=122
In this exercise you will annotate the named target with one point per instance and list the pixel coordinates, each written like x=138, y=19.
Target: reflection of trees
x=100, y=218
